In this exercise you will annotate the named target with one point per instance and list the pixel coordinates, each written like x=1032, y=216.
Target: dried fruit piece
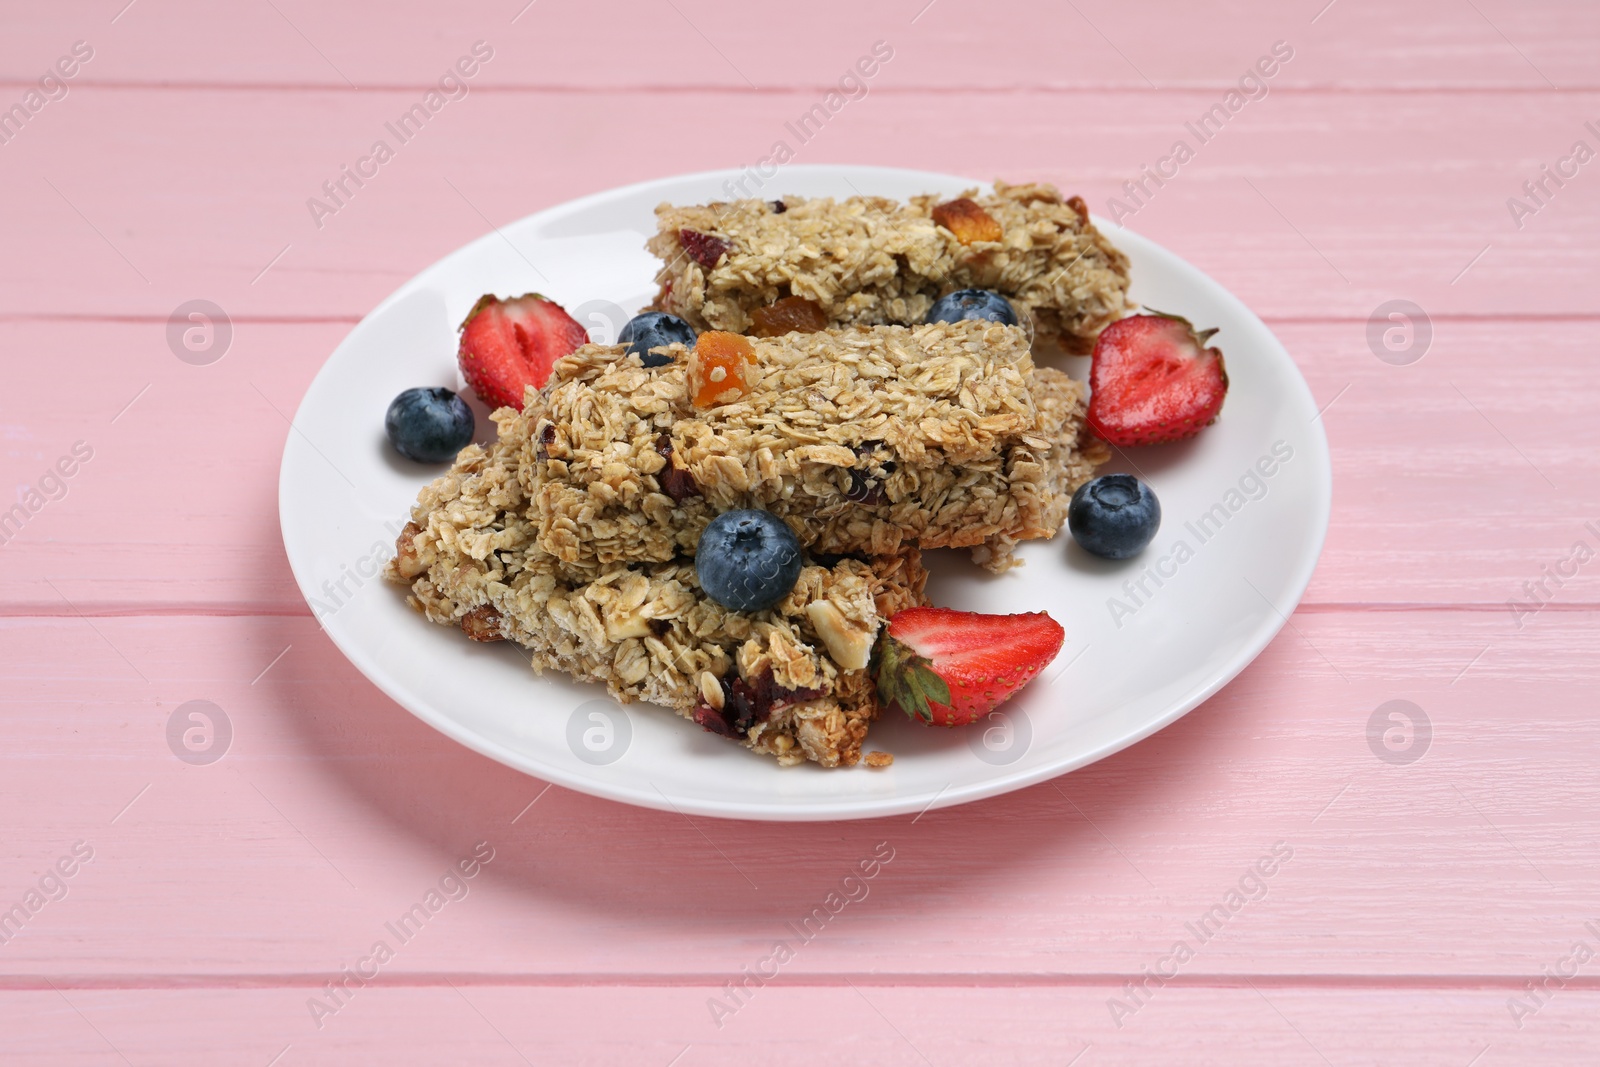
x=968, y=221
x=791, y=314
x=1079, y=208
x=716, y=368
x=705, y=249
x=675, y=481
x=483, y=623
x=864, y=487
x=745, y=703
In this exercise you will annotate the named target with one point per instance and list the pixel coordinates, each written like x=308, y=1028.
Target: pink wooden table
x=209, y=906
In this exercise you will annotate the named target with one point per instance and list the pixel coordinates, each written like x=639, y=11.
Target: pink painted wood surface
x=1419, y=900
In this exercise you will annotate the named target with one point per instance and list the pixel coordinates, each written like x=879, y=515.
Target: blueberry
x=747, y=560
x=653, y=329
x=429, y=425
x=972, y=304
x=1114, y=516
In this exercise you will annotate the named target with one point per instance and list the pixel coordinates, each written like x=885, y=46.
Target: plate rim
x=812, y=810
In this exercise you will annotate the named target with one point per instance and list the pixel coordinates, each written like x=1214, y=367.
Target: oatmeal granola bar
x=863, y=440
x=790, y=682
x=869, y=260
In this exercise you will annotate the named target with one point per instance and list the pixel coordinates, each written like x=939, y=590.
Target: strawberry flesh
x=1153, y=380
x=508, y=345
x=951, y=668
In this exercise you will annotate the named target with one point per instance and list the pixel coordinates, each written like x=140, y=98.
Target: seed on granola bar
x=716, y=368
x=675, y=481
x=791, y=314
x=704, y=248
x=968, y=221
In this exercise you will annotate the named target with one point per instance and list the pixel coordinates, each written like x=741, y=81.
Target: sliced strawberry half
x=1153, y=380
x=508, y=345
x=950, y=668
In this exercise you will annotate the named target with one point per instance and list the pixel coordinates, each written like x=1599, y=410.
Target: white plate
x=1226, y=584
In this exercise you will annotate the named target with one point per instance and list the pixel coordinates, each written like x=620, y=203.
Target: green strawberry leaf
x=907, y=680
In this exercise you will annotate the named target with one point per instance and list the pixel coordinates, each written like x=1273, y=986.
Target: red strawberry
x=508, y=345
x=1153, y=381
x=951, y=668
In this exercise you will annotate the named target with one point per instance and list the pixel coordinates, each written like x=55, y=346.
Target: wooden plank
x=333, y=812
x=1284, y=206
x=782, y=1024
x=1439, y=467
x=938, y=47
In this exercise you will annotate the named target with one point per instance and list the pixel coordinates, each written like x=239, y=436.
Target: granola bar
x=870, y=260
x=790, y=682
x=863, y=440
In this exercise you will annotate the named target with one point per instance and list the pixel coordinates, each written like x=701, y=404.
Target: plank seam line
x=1196, y=88
x=1376, y=982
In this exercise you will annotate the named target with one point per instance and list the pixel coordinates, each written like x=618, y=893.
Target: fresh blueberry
x=747, y=560
x=429, y=425
x=653, y=329
x=1114, y=516
x=972, y=304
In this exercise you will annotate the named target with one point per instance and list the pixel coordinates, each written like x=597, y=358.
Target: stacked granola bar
x=790, y=682
x=863, y=440
x=869, y=260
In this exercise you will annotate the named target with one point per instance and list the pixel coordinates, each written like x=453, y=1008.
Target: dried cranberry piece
x=704, y=248
x=711, y=720
x=675, y=481
x=865, y=489
x=744, y=705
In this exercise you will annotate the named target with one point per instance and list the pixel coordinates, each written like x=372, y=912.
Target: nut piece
x=879, y=759
x=406, y=560
x=629, y=624
x=711, y=690
x=967, y=221
x=482, y=623
x=849, y=643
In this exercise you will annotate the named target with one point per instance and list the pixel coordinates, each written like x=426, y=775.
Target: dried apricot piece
x=791, y=314
x=716, y=368
x=968, y=221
